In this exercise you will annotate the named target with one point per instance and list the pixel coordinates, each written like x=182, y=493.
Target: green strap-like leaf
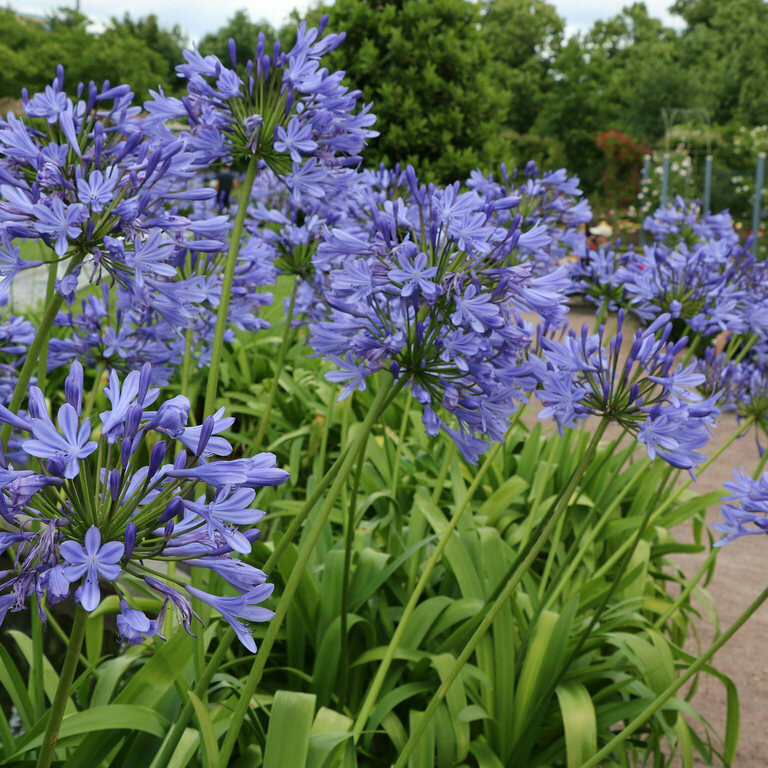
x=114, y=717
x=185, y=749
x=290, y=723
x=207, y=732
x=579, y=723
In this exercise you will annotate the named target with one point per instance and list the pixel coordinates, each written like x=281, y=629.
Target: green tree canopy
x=428, y=70
x=139, y=53
x=243, y=31
x=524, y=38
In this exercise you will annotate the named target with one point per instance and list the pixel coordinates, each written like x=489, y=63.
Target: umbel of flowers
x=112, y=513
x=426, y=292
x=642, y=389
x=280, y=107
x=79, y=176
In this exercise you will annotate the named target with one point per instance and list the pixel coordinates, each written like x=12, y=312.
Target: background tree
x=165, y=44
x=429, y=72
x=136, y=52
x=524, y=38
x=725, y=46
x=243, y=31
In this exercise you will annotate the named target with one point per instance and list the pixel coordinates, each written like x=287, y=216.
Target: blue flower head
x=97, y=519
x=421, y=286
x=641, y=388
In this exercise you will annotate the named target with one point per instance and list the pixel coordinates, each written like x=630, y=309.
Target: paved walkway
x=740, y=575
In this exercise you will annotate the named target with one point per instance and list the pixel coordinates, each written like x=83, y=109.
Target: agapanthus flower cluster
x=108, y=510
x=281, y=107
x=695, y=270
x=550, y=199
x=739, y=376
x=685, y=220
x=81, y=176
x=749, y=516
x=710, y=287
x=643, y=389
x=292, y=232
x=595, y=275
x=425, y=292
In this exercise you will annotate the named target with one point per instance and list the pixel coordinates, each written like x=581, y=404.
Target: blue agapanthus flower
x=422, y=287
x=80, y=174
x=281, y=107
x=551, y=207
x=749, y=516
x=641, y=388
x=98, y=519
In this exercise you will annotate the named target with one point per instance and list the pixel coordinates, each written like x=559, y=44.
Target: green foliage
x=427, y=68
x=591, y=635
x=137, y=52
x=243, y=31
x=524, y=39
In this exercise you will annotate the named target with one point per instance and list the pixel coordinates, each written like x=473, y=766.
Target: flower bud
x=55, y=466
x=174, y=508
x=130, y=539
x=132, y=419
x=156, y=458
x=125, y=453
x=114, y=483
x=205, y=435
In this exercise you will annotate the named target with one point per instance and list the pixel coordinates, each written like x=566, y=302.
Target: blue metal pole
x=707, y=196
x=664, y=181
x=645, y=177
x=757, y=205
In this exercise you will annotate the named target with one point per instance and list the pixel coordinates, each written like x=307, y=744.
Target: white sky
x=196, y=17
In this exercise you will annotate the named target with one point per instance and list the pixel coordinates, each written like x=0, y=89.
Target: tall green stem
x=50, y=289
x=689, y=587
x=760, y=465
x=186, y=368
x=320, y=466
x=201, y=684
x=399, y=446
x=36, y=680
x=388, y=389
x=671, y=499
x=302, y=515
x=309, y=504
x=705, y=566
x=349, y=538
x=389, y=654
x=504, y=595
x=66, y=677
x=278, y=369
x=418, y=525
x=672, y=688
x=35, y=348
x=226, y=288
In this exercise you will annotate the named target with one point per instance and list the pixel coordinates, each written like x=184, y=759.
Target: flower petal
x=110, y=553
x=73, y=552
x=88, y=595
x=92, y=541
